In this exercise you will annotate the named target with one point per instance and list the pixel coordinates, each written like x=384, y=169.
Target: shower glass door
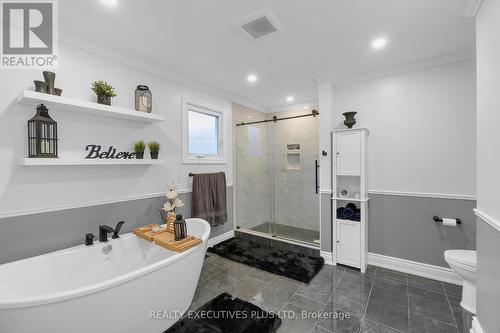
x=254, y=178
x=276, y=179
x=296, y=199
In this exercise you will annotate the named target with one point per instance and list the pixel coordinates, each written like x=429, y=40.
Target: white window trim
x=188, y=158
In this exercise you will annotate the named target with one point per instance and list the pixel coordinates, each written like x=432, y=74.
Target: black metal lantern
x=180, y=230
x=42, y=134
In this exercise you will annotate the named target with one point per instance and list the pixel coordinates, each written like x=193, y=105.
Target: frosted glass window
x=203, y=134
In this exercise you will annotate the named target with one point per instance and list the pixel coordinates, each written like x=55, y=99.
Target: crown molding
x=326, y=77
x=471, y=7
x=295, y=107
x=159, y=72
x=399, y=69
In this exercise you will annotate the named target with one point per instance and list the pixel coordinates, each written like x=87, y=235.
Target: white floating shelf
x=350, y=199
x=355, y=223
x=82, y=161
x=32, y=98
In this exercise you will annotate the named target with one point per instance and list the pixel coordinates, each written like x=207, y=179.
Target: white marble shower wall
x=296, y=199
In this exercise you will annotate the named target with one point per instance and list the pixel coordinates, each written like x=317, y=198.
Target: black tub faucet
x=117, y=230
x=104, y=230
x=89, y=239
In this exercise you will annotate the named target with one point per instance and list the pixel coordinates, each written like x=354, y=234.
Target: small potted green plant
x=104, y=91
x=154, y=149
x=139, y=148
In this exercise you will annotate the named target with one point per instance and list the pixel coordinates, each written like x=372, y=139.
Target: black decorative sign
x=94, y=152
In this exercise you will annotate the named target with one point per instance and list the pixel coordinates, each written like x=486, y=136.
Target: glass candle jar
x=143, y=99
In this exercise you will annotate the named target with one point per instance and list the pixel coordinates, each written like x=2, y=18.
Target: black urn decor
x=47, y=86
x=49, y=77
x=42, y=134
x=180, y=230
x=40, y=86
x=349, y=121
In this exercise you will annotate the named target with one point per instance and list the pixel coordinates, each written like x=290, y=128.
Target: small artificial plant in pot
x=154, y=149
x=104, y=91
x=139, y=148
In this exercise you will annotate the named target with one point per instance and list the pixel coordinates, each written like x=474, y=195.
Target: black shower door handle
x=316, y=166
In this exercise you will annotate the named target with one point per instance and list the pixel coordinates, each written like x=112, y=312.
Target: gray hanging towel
x=209, y=197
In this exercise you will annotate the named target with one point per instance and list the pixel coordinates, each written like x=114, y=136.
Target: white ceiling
x=195, y=39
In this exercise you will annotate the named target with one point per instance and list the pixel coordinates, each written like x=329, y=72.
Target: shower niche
x=292, y=153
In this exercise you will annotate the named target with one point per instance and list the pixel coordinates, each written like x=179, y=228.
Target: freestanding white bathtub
x=81, y=289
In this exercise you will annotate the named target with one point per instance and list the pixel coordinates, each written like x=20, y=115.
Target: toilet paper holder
x=438, y=219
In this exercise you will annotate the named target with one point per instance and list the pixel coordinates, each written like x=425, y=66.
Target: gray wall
x=488, y=277
x=402, y=227
x=35, y=234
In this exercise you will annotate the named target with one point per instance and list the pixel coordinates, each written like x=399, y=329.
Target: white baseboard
x=218, y=239
x=416, y=268
x=328, y=256
x=476, y=328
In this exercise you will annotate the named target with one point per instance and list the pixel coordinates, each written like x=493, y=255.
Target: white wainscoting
x=218, y=239
x=488, y=219
x=91, y=203
x=425, y=195
x=416, y=194
x=416, y=268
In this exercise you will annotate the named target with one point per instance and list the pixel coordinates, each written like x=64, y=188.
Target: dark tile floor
x=348, y=301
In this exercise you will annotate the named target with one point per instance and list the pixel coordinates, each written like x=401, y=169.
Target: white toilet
x=463, y=262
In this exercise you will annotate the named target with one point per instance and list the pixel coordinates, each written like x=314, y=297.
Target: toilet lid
x=466, y=257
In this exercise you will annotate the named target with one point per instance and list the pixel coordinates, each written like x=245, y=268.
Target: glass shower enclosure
x=276, y=178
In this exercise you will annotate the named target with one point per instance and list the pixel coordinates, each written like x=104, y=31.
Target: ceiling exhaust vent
x=259, y=24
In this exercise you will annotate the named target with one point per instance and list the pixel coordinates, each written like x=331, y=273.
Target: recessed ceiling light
x=306, y=107
x=252, y=78
x=110, y=3
x=379, y=43
x=290, y=99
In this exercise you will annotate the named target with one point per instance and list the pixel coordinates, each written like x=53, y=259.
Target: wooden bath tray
x=165, y=238
x=146, y=232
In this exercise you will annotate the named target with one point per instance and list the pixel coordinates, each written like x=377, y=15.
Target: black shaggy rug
x=225, y=314
x=295, y=266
